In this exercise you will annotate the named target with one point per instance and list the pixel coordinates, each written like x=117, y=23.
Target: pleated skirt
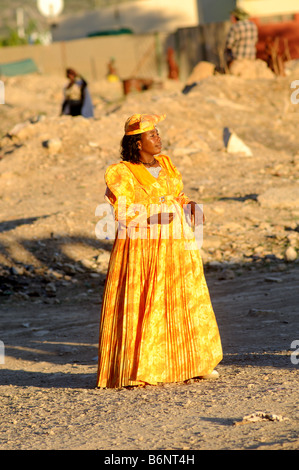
x=157, y=322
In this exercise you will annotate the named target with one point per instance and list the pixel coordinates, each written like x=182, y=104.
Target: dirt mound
x=52, y=167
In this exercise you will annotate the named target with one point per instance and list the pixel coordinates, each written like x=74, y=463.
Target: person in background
x=112, y=75
x=77, y=100
x=241, y=39
x=173, y=68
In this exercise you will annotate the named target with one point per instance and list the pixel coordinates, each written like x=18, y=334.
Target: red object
x=173, y=69
x=287, y=34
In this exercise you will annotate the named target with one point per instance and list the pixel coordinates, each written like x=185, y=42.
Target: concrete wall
x=134, y=55
x=214, y=11
x=260, y=8
x=141, y=17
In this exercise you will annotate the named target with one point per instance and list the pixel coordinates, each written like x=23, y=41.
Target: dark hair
x=129, y=148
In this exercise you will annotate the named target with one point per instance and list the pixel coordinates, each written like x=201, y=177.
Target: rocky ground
x=52, y=266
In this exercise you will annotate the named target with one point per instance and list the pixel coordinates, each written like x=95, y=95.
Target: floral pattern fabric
x=157, y=322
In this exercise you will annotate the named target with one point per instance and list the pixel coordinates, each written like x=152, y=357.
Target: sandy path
x=49, y=400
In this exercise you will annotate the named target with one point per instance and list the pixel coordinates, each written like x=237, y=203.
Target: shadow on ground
x=58, y=325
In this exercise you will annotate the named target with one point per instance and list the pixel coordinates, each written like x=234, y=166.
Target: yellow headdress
x=139, y=123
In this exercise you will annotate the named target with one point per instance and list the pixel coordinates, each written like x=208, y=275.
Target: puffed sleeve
x=120, y=193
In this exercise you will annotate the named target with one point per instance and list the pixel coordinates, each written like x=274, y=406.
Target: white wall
x=259, y=8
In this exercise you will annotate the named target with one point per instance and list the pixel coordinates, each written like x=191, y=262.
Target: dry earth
x=52, y=267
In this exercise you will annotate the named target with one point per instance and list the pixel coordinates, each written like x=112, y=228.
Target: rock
x=259, y=416
x=23, y=130
x=87, y=263
x=273, y=279
x=251, y=69
x=69, y=268
x=53, y=145
x=290, y=254
x=234, y=145
x=17, y=271
x=226, y=274
x=41, y=332
x=285, y=197
x=103, y=257
x=255, y=312
x=293, y=238
x=214, y=264
x=202, y=70
x=50, y=288
x=93, y=144
x=291, y=66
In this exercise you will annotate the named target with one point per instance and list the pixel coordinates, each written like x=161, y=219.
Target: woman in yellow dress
x=157, y=322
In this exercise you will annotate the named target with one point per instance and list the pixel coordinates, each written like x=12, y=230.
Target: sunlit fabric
x=139, y=123
x=157, y=322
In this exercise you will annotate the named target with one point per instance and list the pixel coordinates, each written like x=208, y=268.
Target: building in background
x=138, y=17
x=217, y=11
x=214, y=11
x=195, y=29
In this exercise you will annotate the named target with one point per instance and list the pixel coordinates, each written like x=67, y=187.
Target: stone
x=251, y=69
x=16, y=270
x=285, y=197
x=22, y=130
x=234, y=145
x=201, y=71
x=259, y=416
x=69, y=268
x=273, y=279
x=53, y=145
x=103, y=257
x=93, y=144
x=290, y=254
x=255, y=312
x=226, y=275
x=50, y=288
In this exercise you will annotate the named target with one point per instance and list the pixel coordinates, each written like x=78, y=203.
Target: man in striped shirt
x=242, y=38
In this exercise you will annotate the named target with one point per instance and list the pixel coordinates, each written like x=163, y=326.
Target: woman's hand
x=163, y=218
x=197, y=215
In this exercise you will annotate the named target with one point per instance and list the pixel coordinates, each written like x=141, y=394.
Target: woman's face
x=71, y=76
x=150, y=143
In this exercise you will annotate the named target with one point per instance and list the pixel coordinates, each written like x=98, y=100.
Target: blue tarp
x=21, y=67
x=110, y=32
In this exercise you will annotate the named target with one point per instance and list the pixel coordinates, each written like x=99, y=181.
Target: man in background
x=241, y=39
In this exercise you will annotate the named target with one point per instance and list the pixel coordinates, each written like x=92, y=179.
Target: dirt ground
x=53, y=266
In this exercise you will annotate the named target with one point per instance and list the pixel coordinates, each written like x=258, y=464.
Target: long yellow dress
x=157, y=322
